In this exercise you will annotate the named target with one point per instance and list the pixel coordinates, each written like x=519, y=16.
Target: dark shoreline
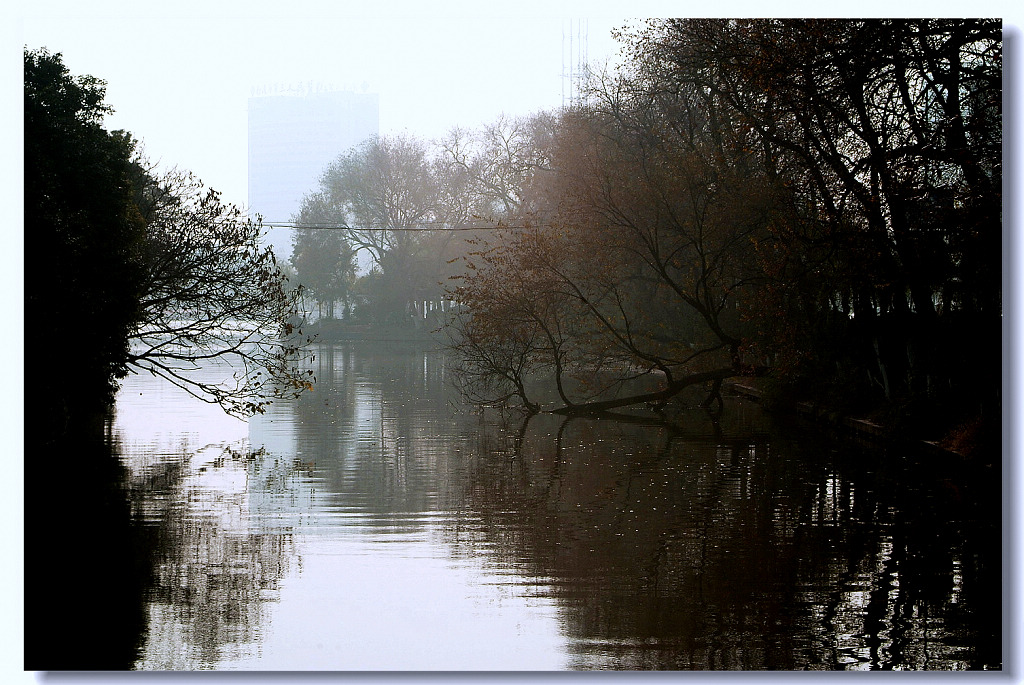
x=857, y=427
x=330, y=331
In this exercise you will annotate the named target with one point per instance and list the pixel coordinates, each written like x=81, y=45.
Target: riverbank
x=855, y=426
x=333, y=330
x=748, y=388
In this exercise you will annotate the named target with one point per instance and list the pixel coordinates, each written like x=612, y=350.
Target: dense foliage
x=83, y=236
x=132, y=271
x=813, y=200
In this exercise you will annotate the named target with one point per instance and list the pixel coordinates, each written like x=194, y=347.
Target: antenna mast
x=574, y=61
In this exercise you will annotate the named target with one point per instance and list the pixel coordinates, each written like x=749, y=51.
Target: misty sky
x=181, y=84
x=179, y=78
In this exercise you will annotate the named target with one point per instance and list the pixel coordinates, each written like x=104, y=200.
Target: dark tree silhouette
x=83, y=239
x=136, y=272
x=211, y=293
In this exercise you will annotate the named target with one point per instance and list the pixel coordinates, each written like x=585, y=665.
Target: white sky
x=179, y=76
x=181, y=83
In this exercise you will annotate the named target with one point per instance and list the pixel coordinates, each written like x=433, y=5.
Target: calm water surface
x=378, y=524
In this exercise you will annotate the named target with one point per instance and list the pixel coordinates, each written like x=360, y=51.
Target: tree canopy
x=817, y=200
x=83, y=236
x=411, y=207
x=136, y=271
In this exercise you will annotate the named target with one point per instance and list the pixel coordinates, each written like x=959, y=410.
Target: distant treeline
x=815, y=202
x=812, y=202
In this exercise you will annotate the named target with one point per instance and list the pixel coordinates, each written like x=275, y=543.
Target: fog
x=661, y=381
x=185, y=87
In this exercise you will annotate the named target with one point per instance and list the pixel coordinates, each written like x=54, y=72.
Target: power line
x=410, y=229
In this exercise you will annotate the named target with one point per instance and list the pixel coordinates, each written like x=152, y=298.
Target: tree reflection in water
x=727, y=544
x=671, y=550
x=87, y=567
x=215, y=569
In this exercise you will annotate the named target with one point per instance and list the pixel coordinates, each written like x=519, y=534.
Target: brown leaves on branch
x=211, y=295
x=622, y=291
x=747, y=193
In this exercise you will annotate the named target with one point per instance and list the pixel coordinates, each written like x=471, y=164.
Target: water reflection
x=187, y=479
x=382, y=447
x=87, y=566
x=214, y=575
x=377, y=524
x=670, y=551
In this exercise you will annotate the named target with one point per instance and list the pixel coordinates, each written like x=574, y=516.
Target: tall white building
x=294, y=134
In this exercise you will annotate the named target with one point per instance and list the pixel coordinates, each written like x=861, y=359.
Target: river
x=378, y=523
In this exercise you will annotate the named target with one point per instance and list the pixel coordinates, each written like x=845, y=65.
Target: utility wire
x=410, y=229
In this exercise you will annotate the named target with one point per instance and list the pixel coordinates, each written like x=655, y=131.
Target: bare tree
x=626, y=288
x=381, y=189
x=500, y=162
x=887, y=132
x=211, y=293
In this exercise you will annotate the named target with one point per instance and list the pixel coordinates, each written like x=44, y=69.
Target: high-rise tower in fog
x=293, y=135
